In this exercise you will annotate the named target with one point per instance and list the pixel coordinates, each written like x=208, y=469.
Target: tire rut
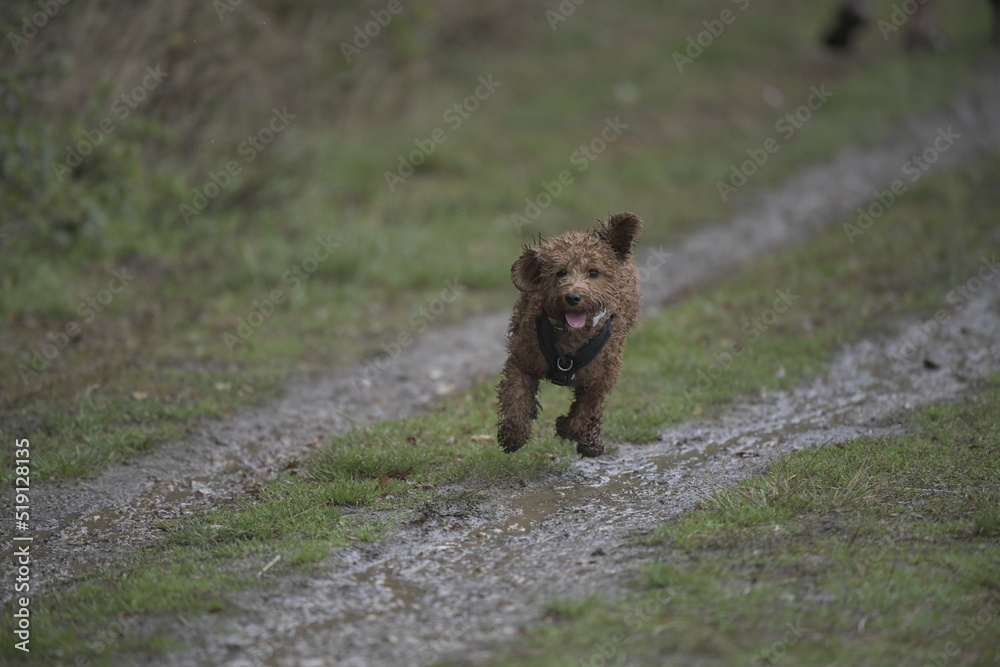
x=87, y=524
x=471, y=577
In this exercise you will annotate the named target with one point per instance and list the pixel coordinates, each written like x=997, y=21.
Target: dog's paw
x=590, y=447
x=511, y=439
x=587, y=444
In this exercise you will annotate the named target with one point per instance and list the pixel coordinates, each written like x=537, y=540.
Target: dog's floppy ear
x=526, y=271
x=619, y=232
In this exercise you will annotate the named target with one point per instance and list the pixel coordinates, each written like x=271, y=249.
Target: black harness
x=563, y=365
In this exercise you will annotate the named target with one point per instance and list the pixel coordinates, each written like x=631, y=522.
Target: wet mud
x=474, y=573
x=472, y=576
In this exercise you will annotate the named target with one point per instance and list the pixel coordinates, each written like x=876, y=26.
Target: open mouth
x=576, y=320
x=580, y=319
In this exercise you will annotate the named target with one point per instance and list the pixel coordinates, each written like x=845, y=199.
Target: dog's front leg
x=518, y=407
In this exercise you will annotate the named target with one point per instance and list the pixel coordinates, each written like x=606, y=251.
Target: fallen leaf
x=139, y=395
x=402, y=473
x=383, y=481
x=481, y=438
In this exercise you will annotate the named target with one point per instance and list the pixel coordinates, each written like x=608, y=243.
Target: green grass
x=165, y=334
x=904, y=266
x=156, y=359
x=874, y=551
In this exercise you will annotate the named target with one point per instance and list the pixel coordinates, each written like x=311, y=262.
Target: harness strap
x=563, y=365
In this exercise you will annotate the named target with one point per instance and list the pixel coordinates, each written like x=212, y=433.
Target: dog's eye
x=561, y=273
x=593, y=273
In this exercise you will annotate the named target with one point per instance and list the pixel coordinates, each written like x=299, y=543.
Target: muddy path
x=462, y=577
x=83, y=525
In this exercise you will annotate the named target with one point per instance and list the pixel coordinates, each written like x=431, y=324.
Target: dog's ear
x=526, y=271
x=619, y=232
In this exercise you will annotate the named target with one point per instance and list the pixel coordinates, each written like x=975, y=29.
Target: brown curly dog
x=579, y=298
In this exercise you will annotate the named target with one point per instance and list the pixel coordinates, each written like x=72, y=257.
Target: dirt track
x=397, y=602
x=471, y=575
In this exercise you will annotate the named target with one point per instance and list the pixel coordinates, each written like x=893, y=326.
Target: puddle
x=432, y=592
x=428, y=595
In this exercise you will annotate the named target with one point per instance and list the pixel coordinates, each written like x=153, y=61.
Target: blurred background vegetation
x=157, y=355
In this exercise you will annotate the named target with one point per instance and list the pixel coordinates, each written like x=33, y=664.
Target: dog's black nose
x=572, y=298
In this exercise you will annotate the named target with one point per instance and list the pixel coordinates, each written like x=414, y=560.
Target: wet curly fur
x=564, y=277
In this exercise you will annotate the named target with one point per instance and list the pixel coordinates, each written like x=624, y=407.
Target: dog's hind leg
x=582, y=424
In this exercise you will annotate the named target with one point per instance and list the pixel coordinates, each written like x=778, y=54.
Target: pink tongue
x=576, y=320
